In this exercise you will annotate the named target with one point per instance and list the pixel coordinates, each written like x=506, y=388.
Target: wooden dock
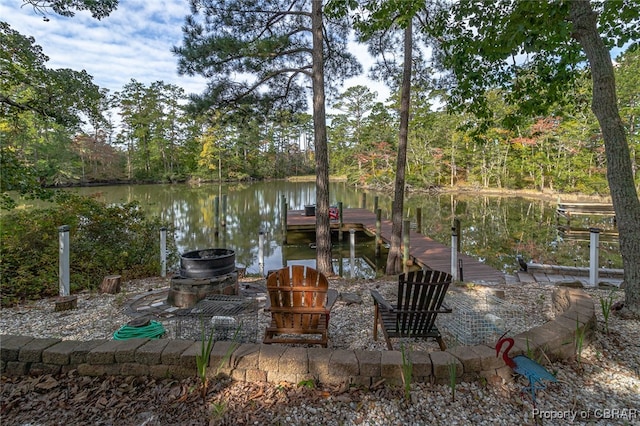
x=424, y=251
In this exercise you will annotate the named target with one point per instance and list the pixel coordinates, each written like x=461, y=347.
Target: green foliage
x=605, y=304
x=104, y=240
x=99, y=8
x=452, y=368
x=407, y=371
x=202, y=359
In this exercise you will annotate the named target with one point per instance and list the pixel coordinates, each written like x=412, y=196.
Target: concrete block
x=10, y=346
x=441, y=363
x=343, y=363
x=32, y=351
x=41, y=368
x=151, y=352
x=238, y=374
x=60, y=353
x=368, y=363
x=159, y=371
x=488, y=358
x=103, y=354
x=363, y=381
x=270, y=356
x=16, y=368
x=176, y=371
x=319, y=362
x=172, y=352
x=134, y=369
x=97, y=370
x=79, y=354
x=294, y=360
x=246, y=356
x=278, y=377
x=422, y=366
x=391, y=366
x=253, y=376
x=126, y=350
x=188, y=357
x=468, y=357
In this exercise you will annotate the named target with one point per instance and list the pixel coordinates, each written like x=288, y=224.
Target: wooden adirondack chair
x=420, y=297
x=300, y=302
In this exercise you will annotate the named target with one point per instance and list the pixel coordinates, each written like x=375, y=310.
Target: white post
x=594, y=244
x=352, y=251
x=63, y=269
x=261, y=251
x=454, y=254
x=163, y=252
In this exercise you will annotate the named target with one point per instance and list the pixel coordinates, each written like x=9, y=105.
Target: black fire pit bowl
x=207, y=263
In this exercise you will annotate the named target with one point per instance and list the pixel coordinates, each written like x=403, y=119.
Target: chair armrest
x=332, y=296
x=378, y=299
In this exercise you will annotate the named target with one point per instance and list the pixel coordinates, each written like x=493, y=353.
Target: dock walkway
x=423, y=250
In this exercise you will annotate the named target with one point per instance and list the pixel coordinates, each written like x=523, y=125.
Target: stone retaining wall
x=22, y=355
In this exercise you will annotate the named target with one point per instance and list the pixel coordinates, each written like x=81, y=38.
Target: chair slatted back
x=297, y=295
x=420, y=297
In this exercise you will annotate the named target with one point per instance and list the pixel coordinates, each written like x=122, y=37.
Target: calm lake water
x=494, y=229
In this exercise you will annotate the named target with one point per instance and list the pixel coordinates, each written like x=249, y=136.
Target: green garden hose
x=153, y=330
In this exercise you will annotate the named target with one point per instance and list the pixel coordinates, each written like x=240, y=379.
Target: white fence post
x=163, y=252
x=63, y=269
x=454, y=254
x=594, y=248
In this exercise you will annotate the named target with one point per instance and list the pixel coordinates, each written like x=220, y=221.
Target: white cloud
x=134, y=42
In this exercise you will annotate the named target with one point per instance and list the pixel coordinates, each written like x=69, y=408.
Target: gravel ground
x=601, y=387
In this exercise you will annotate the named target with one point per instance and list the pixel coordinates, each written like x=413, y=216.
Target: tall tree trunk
x=323, y=230
x=394, y=259
x=619, y=171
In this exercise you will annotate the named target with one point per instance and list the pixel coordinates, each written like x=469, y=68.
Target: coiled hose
x=153, y=330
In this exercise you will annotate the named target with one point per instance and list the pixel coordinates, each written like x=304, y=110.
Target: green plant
x=218, y=409
x=230, y=349
x=606, y=304
x=452, y=366
x=579, y=341
x=309, y=383
x=202, y=359
x=407, y=371
x=103, y=240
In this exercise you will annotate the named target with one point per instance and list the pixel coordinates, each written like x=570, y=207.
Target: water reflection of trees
x=494, y=229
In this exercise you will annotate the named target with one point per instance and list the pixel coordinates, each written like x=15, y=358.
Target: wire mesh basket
x=479, y=318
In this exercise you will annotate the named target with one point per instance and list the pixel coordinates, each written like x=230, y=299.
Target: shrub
x=103, y=240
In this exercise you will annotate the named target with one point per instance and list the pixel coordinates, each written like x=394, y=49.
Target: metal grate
x=479, y=318
x=229, y=317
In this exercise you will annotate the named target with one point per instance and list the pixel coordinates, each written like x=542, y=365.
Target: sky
x=133, y=42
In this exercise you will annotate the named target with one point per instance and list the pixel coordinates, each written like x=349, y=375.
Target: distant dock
x=423, y=251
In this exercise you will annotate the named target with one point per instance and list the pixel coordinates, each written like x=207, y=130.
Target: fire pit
x=203, y=273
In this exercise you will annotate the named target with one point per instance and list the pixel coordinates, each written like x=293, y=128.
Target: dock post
x=261, y=251
x=216, y=215
x=63, y=267
x=376, y=200
x=456, y=223
x=378, y=231
x=364, y=200
x=163, y=251
x=454, y=254
x=340, y=221
x=594, y=243
x=405, y=243
x=419, y=220
x=224, y=210
x=283, y=218
x=352, y=251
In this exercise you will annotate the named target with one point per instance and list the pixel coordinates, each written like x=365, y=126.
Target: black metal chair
x=420, y=300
